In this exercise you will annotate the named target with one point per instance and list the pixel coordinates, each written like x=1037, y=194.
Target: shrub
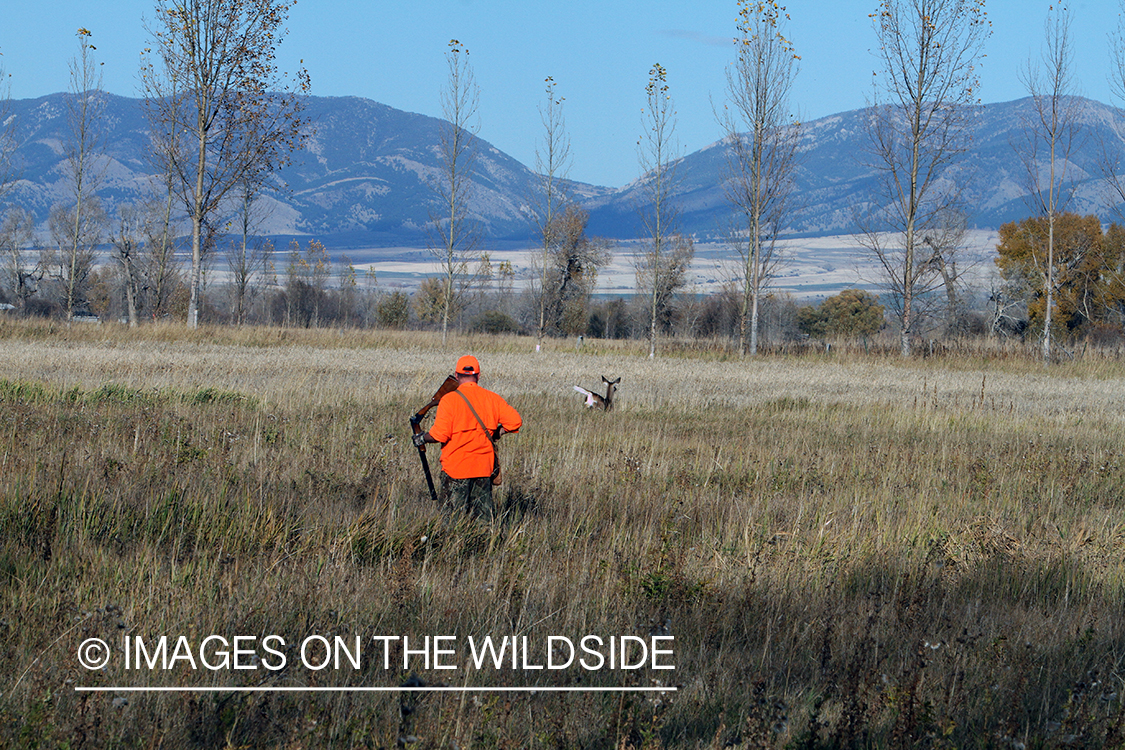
x=393, y=311
x=494, y=321
x=851, y=313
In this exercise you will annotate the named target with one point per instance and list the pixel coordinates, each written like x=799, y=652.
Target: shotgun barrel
x=448, y=386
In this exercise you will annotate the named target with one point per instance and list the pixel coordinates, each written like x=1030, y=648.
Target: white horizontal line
x=262, y=689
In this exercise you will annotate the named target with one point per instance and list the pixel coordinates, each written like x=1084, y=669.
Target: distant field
x=848, y=551
x=815, y=267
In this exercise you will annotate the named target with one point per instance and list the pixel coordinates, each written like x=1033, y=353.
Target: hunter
x=469, y=420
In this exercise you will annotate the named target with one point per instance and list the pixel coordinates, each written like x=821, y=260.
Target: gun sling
x=487, y=434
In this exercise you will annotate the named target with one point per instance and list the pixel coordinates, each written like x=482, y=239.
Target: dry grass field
x=849, y=550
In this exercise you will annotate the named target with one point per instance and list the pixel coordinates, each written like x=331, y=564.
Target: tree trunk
x=197, y=228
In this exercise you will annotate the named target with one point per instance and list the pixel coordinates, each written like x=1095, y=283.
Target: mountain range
x=363, y=179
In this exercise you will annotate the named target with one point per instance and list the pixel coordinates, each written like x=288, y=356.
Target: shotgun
x=448, y=386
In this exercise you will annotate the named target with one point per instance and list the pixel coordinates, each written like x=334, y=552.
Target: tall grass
x=849, y=551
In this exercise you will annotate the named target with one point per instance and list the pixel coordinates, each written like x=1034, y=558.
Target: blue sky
x=599, y=53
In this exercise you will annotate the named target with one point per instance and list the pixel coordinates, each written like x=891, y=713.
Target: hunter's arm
x=510, y=420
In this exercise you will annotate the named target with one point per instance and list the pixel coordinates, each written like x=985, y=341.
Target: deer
x=605, y=403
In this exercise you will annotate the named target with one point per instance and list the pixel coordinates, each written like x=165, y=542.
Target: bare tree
x=571, y=272
x=85, y=163
x=661, y=265
x=246, y=264
x=246, y=257
x=220, y=111
x=1111, y=152
x=661, y=278
x=7, y=133
x=17, y=230
x=160, y=266
x=126, y=239
x=944, y=243
x=505, y=283
x=454, y=236
x=296, y=271
x=919, y=126
x=347, y=279
x=552, y=163
x=22, y=270
x=70, y=259
x=77, y=228
x=319, y=269
x=1050, y=134
x=761, y=137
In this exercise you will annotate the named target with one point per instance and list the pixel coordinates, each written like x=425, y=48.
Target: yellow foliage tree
x=1086, y=273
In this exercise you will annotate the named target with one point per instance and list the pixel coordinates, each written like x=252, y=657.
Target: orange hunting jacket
x=466, y=452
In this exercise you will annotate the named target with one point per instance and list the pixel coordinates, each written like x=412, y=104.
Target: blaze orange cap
x=468, y=365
